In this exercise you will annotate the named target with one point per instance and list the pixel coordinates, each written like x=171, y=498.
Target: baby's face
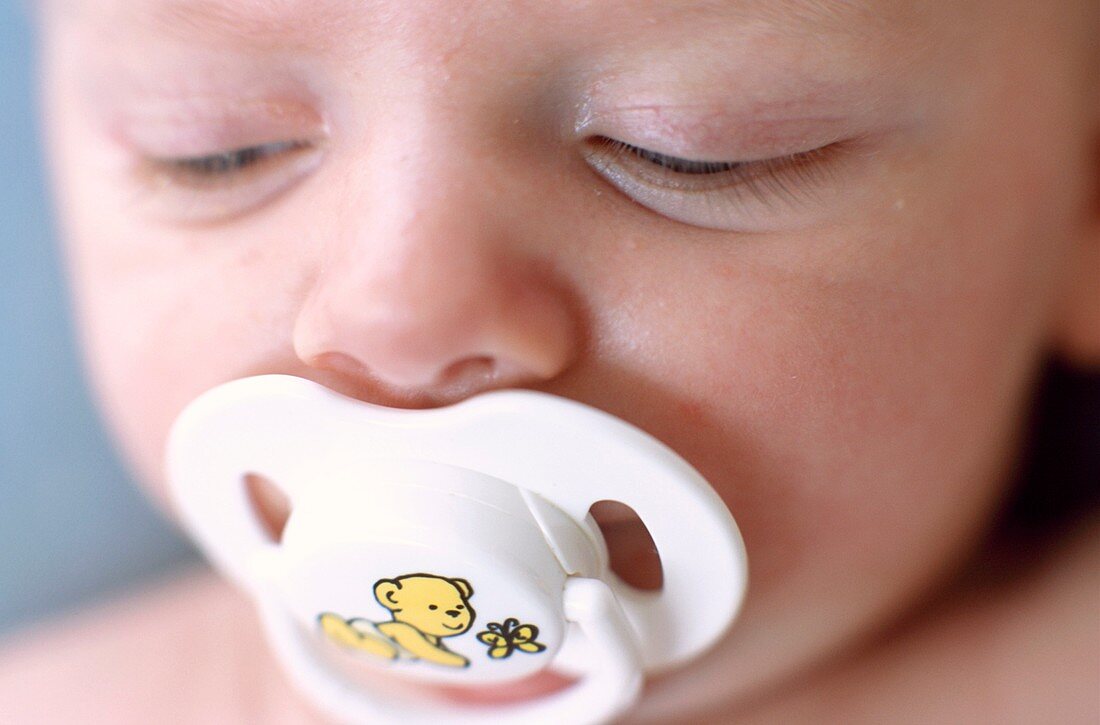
x=814, y=247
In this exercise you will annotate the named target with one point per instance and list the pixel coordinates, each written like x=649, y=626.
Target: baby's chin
x=532, y=687
x=540, y=684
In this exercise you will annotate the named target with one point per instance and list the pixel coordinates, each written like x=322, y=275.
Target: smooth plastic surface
x=453, y=544
x=608, y=689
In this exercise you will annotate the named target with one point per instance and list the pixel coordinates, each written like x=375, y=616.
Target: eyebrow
x=834, y=14
x=881, y=24
x=313, y=22
x=256, y=22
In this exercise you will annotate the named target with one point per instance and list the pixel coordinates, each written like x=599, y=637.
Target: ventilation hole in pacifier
x=270, y=505
x=633, y=555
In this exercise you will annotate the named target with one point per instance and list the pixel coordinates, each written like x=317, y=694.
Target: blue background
x=72, y=525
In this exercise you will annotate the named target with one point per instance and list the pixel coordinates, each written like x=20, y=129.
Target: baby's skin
x=821, y=249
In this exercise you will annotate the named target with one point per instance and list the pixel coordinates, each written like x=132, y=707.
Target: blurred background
x=72, y=526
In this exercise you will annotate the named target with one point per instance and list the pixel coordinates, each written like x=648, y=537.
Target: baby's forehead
x=683, y=50
x=259, y=20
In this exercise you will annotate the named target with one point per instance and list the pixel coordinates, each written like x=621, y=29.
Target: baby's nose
x=452, y=612
x=439, y=305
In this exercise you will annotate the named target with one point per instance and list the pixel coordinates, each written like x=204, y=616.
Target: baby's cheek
x=165, y=321
x=847, y=400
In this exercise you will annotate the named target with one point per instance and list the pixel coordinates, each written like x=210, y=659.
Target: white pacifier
x=454, y=546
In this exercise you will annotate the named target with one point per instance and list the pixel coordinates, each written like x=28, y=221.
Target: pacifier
x=453, y=546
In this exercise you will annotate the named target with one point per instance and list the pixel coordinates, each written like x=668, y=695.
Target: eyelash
x=235, y=161
x=788, y=178
x=676, y=164
x=715, y=194
x=217, y=169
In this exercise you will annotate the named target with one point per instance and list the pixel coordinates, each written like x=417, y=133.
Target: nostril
x=452, y=612
x=471, y=370
x=337, y=362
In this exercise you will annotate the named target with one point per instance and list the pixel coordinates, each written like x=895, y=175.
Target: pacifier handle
x=610, y=685
x=597, y=457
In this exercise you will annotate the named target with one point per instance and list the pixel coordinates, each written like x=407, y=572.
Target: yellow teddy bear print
x=425, y=608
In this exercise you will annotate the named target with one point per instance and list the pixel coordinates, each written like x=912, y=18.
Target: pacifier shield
x=454, y=544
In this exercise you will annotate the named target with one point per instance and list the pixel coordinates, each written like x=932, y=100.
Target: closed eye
x=219, y=186
x=676, y=164
x=199, y=170
x=728, y=195
x=684, y=174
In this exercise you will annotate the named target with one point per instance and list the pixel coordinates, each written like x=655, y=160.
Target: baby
x=821, y=249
